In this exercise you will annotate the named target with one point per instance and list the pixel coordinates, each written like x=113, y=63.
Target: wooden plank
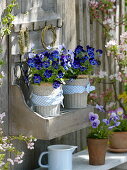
x=43, y=128
x=87, y=22
x=4, y=87
x=68, y=33
x=26, y=5
x=80, y=22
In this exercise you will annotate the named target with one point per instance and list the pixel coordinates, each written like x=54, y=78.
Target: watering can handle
x=40, y=158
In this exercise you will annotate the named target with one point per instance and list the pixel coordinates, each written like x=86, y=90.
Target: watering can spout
x=73, y=148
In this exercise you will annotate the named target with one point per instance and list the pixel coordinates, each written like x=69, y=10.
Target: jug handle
x=40, y=158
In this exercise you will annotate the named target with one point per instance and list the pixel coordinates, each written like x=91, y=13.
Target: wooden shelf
x=26, y=122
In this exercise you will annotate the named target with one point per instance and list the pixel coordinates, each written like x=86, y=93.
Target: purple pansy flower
x=71, y=54
x=31, y=62
x=112, y=113
x=83, y=59
x=79, y=49
x=41, y=56
x=99, y=107
x=55, y=54
x=114, y=117
x=76, y=63
x=60, y=74
x=56, y=84
x=48, y=73
x=100, y=52
x=106, y=121
x=111, y=127
x=37, y=78
x=124, y=116
x=46, y=54
x=31, y=55
x=95, y=123
x=93, y=61
x=117, y=123
x=93, y=116
x=119, y=111
x=62, y=49
x=83, y=68
x=55, y=64
x=46, y=64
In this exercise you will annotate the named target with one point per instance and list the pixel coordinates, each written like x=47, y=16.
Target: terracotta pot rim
x=96, y=139
x=120, y=132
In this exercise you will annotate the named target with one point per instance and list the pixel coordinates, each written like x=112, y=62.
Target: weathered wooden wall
x=4, y=88
x=77, y=29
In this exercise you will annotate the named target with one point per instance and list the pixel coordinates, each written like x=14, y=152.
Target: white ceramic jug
x=59, y=157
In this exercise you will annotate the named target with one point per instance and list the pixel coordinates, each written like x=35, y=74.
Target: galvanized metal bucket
x=45, y=89
x=77, y=100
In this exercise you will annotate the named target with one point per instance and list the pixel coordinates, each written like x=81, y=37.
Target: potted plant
x=97, y=138
x=118, y=139
x=45, y=74
x=77, y=87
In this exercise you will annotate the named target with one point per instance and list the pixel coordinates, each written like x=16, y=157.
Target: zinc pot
x=118, y=140
x=45, y=89
x=97, y=150
x=76, y=100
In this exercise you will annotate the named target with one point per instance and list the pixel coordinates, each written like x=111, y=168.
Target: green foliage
x=122, y=127
x=7, y=19
x=101, y=132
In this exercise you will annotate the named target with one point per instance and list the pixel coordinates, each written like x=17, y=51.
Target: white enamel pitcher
x=59, y=157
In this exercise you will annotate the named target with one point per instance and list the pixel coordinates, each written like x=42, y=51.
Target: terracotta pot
x=118, y=140
x=97, y=150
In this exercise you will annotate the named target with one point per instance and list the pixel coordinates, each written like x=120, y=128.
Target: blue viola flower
x=55, y=54
x=56, y=84
x=93, y=116
x=41, y=56
x=64, y=58
x=45, y=64
x=83, y=59
x=79, y=49
x=99, y=107
x=48, y=73
x=99, y=51
x=90, y=49
x=46, y=54
x=95, y=123
x=31, y=62
x=76, y=63
x=83, y=68
x=91, y=54
x=106, y=121
x=37, y=78
x=38, y=62
x=62, y=49
x=93, y=61
x=71, y=55
x=60, y=74
x=55, y=64
x=111, y=127
x=31, y=55
x=65, y=65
